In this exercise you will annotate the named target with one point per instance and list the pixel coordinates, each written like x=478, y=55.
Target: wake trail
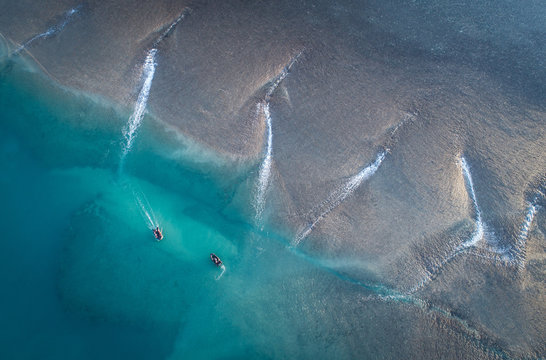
x=130, y=130
x=514, y=257
x=339, y=195
x=265, y=168
x=264, y=173
x=148, y=72
x=519, y=248
x=480, y=228
x=465, y=246
x=146, y=214
x=54, y=30
x=222, y=273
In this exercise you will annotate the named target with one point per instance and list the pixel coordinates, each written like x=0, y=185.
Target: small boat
x=158, y=234
x=215, y=259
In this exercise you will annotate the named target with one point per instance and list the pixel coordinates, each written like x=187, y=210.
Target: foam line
x=265, y=168
x=504, y=256
x=129, y=132
x=145, y=209
x=55, y=29
x=145, y=213
x=523, y=235
x=339, y=195
x=222, y=273
x=480, y=228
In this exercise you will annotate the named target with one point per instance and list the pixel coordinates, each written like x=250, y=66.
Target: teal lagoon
x=84, y=278
x=82, y=274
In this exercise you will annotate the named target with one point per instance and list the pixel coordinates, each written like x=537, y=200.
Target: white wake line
x=480, y=228
x=515, y=258
x=129, y=132
x=265, y=168
x=519, y=248
x=264, y=173
x=223, y=267
x=339, y=195
x=465, y=246
x=149, y=216
x=51, y=31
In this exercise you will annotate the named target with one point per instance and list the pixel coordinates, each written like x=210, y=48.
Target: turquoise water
x=84, y=276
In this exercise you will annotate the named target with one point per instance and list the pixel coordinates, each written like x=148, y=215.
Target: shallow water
x=86, y=279
x=79, y=258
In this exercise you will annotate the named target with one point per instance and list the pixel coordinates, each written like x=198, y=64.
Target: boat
x=158, y=234
x=215, y=259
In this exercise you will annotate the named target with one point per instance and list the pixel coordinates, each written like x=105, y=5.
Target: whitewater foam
x=129, y=132
x=519, y=248
x=222, y=273
x=480, y=228
x=514, y=256
x=146, y=211
x=51, y=31
x=339, y=195
x=265, y=168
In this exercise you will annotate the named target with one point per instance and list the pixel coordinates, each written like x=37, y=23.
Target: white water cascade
x=339, y=195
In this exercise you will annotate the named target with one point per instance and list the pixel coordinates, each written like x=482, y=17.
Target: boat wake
x=513, y=257
x=339, y=195
x=223, y=267
x=519, y=248
x=265, y=168
x=148, y=72
x=54, y=30
x=145, y=209
x=129, y=132
x=480, y=227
